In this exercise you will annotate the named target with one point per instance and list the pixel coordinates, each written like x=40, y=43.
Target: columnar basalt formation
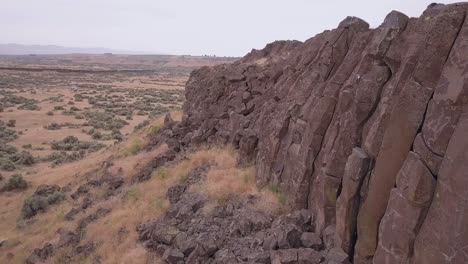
x=364, y=127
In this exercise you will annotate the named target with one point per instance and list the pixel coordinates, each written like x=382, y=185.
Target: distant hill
x=19, y=49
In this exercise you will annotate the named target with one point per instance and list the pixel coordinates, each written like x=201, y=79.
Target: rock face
x=365, y=128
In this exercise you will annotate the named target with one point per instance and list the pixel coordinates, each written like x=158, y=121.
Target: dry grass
x=145, y=201
x=23, y=240
x=115, y=233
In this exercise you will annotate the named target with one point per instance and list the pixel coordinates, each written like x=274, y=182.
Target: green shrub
x=141, y=125
x=280, y=196
x=155, y=130
x=16, y=182
x=135, y=147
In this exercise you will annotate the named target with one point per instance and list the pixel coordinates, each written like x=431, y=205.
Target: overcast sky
x=196, y=27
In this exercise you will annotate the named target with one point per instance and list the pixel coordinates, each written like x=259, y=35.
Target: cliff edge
x=365, y=128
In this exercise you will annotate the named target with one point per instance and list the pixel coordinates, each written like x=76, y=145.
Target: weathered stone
x=404, y=123
x=347, y=204
x=443, y=236
x=337, y=255
x=431, y=160
x=311, y=240
x=173, y=256
x=405, y=212
x=295, y=256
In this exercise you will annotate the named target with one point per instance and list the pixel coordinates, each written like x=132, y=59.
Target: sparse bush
x=16, y=182
x=134, y=147
x=71, y=102
x=75, y=109
x=27, y=146
x=160, y=173
x=6, y=134
x=24, y=158
x=61, y=157
x=72, y=143
x=53, y=126
x=97, y=135
x=58, y=108
x=50, y=113
x=280, y=196
x=104, y=120
x=7, y=165
x=40, y=201
x=11, y=123
x=141, y=125
x=155, y=130
x=30, y=107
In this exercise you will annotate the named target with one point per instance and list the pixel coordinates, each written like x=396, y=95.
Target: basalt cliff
x=365, y=128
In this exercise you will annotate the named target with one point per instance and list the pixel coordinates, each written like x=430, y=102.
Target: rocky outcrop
x=196, y=230
x=362, y=127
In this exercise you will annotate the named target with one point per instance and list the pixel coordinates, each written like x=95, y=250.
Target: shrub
x=50, y=113
x=24, y=158
x=61, y=157
x=141, y=125
x=58, y=107
x=160, y=173
x=97, y=135
x=11, y=123
x=27, y=146
x=135, y=147
x=53, y=126
x=104, y=120
x=6, y=134
x=6, y=164
x=16, y=182
x=74, y=109
x=280, y=196
x=155, y=130
x=31, y=107
x=72, y=143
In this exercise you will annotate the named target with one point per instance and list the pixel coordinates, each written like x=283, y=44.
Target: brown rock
x=403, y=125
x=173, y=256
x=443, y=236
x=295, y=256
x=348, y=201
x=311, y=240
x=405, y=212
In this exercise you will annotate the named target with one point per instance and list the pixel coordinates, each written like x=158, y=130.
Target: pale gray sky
x=196, y=27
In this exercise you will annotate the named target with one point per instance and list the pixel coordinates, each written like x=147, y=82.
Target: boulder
x=311, y=240
x=173, y=256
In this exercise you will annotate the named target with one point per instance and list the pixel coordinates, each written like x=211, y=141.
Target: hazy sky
x=200, y=27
